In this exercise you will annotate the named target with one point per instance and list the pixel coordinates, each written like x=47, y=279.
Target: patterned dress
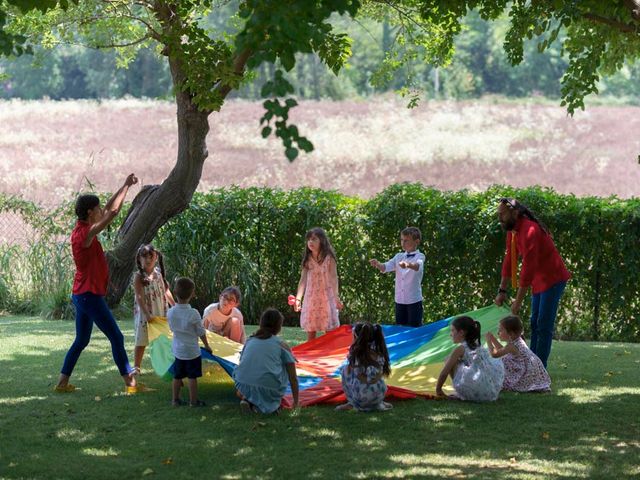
x=319, y=308
x=478, y=376
x=156, y=302
x=364, y=396
x=524, y=372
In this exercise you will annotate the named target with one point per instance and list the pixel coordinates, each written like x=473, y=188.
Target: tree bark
x=156, y=204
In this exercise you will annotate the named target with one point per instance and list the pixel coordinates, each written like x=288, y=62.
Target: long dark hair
x=523, y=211
x=143, y=251
x=368, y=341
x=270, y=324
x=326, y=250
x=471, y=329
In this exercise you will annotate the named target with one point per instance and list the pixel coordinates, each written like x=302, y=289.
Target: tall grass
x=36, y=278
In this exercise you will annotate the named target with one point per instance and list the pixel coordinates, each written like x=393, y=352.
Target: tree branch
x=238, y=68
x=621, y=26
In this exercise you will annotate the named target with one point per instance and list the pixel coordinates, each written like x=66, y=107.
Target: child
x=224, y=318
x=368, y=363
x=319, y=285
x=90, y=285
x=186, y=325
x=409, y=268
x=476, y=376
x=151, y=297
x=266, y=366
x=523, y=370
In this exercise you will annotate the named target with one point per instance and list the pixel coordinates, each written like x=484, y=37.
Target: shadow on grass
x=587, y=428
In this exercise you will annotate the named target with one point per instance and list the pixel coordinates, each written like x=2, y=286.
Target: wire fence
x=14, y=230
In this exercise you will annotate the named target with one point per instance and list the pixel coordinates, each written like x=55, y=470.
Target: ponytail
x=471, y=329
x=270, y=324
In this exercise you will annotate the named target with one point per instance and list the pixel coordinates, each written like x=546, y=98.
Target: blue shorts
x=187, y=368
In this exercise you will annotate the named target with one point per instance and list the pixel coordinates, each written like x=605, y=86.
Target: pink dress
x=524, y=372
x=319, y=309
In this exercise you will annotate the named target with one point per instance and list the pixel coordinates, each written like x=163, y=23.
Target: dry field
x=48, y=149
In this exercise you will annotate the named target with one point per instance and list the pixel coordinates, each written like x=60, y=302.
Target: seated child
x=224, y=318
x=186, y=325
x=266, y=367
x=523, y=370
x=363, y=376
x=476, y=376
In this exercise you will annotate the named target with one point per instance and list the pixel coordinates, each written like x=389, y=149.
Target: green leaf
x=291, y=153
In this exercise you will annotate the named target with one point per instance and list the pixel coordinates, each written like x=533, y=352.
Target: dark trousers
x=544, y=308
x=409, y=315
x=90, y=309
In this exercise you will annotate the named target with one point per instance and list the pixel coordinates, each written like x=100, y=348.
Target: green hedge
x=254, y=238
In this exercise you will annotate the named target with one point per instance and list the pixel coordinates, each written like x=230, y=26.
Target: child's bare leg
x=138, y=354
x=311, y=335
x=177, y=385
x=193, y=390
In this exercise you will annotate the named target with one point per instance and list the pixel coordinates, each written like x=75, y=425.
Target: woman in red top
x=90, y=285
x=542, y=269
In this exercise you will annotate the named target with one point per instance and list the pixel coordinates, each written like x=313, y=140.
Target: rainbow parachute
x=417, y=355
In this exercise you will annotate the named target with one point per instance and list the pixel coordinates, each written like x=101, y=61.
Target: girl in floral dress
x=523, y=370
x=475, y=374
x=318, y=285
x=363, y=376
x=151, y=297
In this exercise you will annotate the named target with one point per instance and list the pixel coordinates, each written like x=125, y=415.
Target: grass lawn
x=589, y=427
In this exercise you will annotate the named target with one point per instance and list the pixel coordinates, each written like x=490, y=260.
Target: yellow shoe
x=68, y=388
x=139, y=388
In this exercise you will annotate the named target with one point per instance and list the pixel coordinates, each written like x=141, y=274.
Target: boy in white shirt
x=186, y=325
x=409, y=268
x=224, y=318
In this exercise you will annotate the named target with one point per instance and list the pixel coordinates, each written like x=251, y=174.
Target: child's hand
x=375, y=263
x=489, y=337
x=298, y=305
x=208, y=349
x=339, y=304
x=403, y=264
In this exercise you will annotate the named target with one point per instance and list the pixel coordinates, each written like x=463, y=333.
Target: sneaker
x=197, y=403
x=68, y=388
x=384, y=406
x=177, y=403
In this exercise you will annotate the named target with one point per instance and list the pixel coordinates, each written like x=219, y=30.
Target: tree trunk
x=156, y=204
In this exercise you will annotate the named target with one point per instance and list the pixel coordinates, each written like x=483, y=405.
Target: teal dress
x=261, y=376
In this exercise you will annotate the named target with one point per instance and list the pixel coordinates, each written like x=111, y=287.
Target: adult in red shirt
x=90, y=285
x=542, y=270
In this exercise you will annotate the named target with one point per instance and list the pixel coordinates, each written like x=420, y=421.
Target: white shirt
x=214, y=320
x=408, y=281
x=186, y=325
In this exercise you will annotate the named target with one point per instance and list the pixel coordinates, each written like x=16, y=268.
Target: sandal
x=344, y=406
x=68, y=388
x=246, y=407
x=197, y=403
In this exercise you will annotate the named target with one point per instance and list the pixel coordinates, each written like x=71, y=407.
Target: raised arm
x=111, y=209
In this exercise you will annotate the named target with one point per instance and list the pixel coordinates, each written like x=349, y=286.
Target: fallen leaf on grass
x=513, y=460
x=203, y=418
x=258, y=425
x=545, y=435
x=97, y=398
x=148, y=471
x=167, y=461
x=12, y=464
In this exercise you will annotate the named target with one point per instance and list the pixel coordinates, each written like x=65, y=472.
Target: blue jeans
x=544, y=308
x=409, y=315
x=92, y=308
